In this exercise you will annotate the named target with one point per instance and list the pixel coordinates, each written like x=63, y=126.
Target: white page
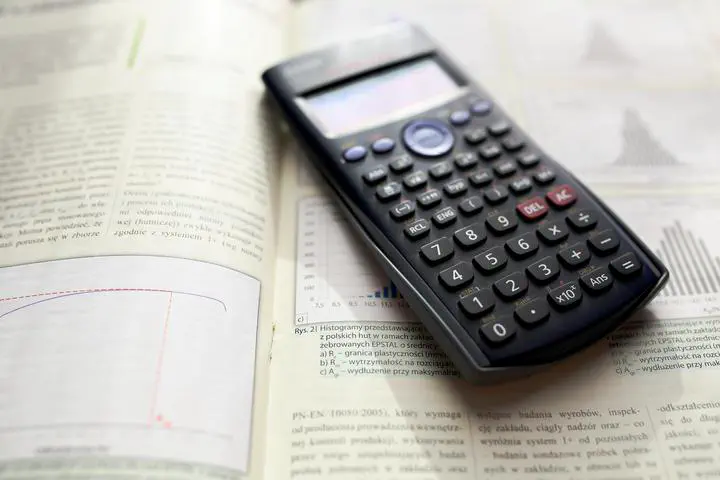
x=135, y=155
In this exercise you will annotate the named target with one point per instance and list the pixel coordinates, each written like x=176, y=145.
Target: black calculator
x=509, y=261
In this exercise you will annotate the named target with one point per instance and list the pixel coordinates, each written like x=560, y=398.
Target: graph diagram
x=336, y=279
x=682, y=232
x=696, y=271
x=132, y=353
x=639, y=147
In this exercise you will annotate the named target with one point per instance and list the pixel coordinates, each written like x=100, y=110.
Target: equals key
x=626, y=265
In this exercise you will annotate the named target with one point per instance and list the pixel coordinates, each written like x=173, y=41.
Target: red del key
x=532, y=209
x=562, y=196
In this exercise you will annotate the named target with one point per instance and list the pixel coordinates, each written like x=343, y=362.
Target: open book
x=179, y=297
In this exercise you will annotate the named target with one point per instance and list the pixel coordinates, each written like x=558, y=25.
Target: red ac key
x=562, y=196
x=532, y=209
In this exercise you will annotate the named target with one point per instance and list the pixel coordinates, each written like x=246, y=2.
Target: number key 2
x=511, y=286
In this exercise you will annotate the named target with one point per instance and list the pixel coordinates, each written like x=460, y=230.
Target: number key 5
x=491, y=260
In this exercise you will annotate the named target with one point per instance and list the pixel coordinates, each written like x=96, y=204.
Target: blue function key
x=355, y=153
x=481, y=107
x=383, y=145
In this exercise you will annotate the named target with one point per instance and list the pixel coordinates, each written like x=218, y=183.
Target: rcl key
x=565, y=296
x=532, y=209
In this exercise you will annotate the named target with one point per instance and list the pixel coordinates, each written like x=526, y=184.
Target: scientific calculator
x=509, y=261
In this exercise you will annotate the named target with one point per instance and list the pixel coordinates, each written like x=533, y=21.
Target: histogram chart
x=337, y=280
x=684, y=234
x=131, y=355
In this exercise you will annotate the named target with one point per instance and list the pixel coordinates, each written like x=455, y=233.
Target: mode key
x=566, y=296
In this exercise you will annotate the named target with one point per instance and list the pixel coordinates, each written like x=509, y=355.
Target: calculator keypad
x=508, y=241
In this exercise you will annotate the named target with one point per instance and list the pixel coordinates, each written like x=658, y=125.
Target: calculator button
x=528, y=160
x=575, y=256
x=383, y=145
x=389, y=191
x=604, y=242
x=355, y=153
x=489, y=151
x=533, y=313
x=459, y=117
x=498, y=331
x=522, y=246
x=544, y=176
x=566, y=296
x=626, y=265
x=597, y=281
x=499, y=128
x=441, y=170
x=505, y=168
x=490, y=260
x=533, y=208
x=418, y=229
x=552, y=233
x=544, y=270
x=428, y=137
x=481, y=178
x=415, y=179
x=374, y=176
x=401, y=163
x=437, y=251
x=402, y=210
x=582, y=220
x=521, y=185
x=471, y=236
x=513, y=143
x=477, y=304
x=444, y=217
x=481, y=107
x=562, y=196
x=475, y=137
x=465, y=160
x=455, y=188
x=429, y=198
x=457, y=276
x=496, y=194
x=512, y=286
x=502, y=222
x=471, y=206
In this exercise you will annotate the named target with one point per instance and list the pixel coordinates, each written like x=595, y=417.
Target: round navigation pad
x=428, y=138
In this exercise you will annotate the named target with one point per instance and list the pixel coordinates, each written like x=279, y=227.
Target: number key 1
x=478, y=304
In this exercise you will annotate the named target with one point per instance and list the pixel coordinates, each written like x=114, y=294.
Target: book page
x=359, y=388
x=137, y=236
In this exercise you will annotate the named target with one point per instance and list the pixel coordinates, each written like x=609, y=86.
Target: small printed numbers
x=498, y=331
x=502, y=222
x=471, y=236
x=511, y=286
x=544, y=270
x=437, y=251
x=566, y=295
x=457, y=276
x=491, y=260
x=478, y=304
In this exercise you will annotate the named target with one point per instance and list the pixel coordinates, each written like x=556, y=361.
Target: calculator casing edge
x=470, y=361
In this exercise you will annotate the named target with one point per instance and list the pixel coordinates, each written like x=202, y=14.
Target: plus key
x=533, y=208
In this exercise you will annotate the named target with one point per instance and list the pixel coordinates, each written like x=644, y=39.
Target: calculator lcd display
x=374, y=99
